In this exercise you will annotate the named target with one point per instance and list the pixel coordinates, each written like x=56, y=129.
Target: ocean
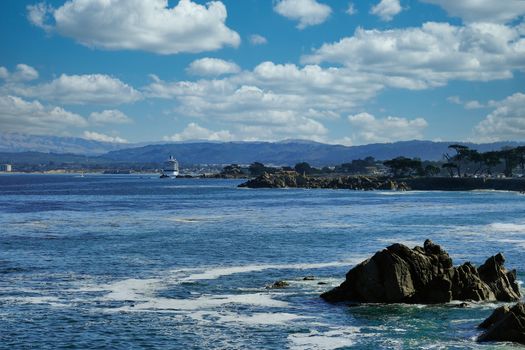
x=134, y=262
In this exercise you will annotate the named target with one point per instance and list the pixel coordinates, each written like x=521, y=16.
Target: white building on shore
x=6, y=168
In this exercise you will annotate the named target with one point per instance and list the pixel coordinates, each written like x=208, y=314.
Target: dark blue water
x=130, y=262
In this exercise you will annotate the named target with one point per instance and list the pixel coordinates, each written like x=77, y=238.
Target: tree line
x=462, y=161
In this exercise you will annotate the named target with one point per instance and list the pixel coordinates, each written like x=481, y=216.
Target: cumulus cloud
x=482, y=10
x=505, y=123
x=368, y=129
x=22, y=73
x=386, y=9
x=95, y=136
x=472, y=104
x=98, y=89
x=256, y=39
x=139, y=25
x=418, y=58
x=272, y=100
x=194, y=131
x=307, y=12
x=38, y=15
x=4, y=73
x=351, y=10
x=109, y=116
x=32, y=117
x=212, y=67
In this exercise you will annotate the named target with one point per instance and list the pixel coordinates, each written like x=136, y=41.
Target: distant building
x=7, y=168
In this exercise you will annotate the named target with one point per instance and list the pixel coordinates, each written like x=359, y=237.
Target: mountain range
x=17, y=148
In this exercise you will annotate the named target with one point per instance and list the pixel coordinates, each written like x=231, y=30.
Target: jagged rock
x=278, y=285
x=293, y=179
x=308, y=278
x=426, y=275
x=505, y=324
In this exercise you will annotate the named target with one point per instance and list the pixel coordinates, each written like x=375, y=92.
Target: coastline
x=294, y=180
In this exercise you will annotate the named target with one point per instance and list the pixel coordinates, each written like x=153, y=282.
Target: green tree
x=491, y=159
x=402, y=166
x=431, y=170
x=304, y=168
x=510, y=160
x=462, y=153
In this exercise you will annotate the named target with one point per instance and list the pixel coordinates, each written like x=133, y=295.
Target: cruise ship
x=171, y=167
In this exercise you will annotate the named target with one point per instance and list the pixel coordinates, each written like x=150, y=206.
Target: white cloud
x=386, y=9
x=505, y=123
x=307, y=12
x=271, y=102
x=95, y=136
x=194, y=131
x=482, y=10
x=351, y=10
x=368, y=129
x=109, y=116
x=22, y=73
x=212, y=67
x=95, y=89
x=276, y=100
x=256, y=39
x=4, y=73
x=38, y=15
x=418, y=58
x=139, y=25
x=472, y=104
x=19, y=115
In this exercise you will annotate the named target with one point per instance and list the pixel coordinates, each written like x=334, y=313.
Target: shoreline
x=370, y=183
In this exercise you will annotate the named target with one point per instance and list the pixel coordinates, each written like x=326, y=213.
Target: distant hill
x=14, y=142
x=287, y=152
x=75, y=150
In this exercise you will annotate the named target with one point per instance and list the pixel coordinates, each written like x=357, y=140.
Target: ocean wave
x=331, y=339
x=156, y=304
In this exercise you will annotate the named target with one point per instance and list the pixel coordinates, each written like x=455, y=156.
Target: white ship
x=171, y=168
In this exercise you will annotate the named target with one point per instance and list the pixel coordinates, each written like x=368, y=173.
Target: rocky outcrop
x=291, y=179
x=425, y=275
x=505, y=324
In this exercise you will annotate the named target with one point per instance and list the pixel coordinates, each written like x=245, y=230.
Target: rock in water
x=505, y=324
x=424, y=275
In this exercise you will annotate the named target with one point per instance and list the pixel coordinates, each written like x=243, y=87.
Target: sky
x=333, y=71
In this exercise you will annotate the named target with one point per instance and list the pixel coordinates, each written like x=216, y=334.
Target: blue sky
x=349, y=72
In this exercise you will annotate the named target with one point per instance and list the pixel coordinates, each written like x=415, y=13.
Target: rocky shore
x=425, y=275
x=505, y=324
x=292, y=179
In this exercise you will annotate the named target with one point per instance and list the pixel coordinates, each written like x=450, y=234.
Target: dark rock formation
x=278, y=285
x=505, y=324
x=293, y=179
x=425, y=274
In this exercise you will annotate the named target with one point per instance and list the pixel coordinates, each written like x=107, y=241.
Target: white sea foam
x=131, y=289
x=507, y=227
x=204, y=302
x=332, y=339
x=44, y=300
x=216, y=272
x=261, y=318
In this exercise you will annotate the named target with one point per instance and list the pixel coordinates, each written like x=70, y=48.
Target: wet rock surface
x=505, y=324
x=424, y=275
x=292, y=179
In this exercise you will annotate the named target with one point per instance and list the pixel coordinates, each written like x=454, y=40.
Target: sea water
x=133, y=262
